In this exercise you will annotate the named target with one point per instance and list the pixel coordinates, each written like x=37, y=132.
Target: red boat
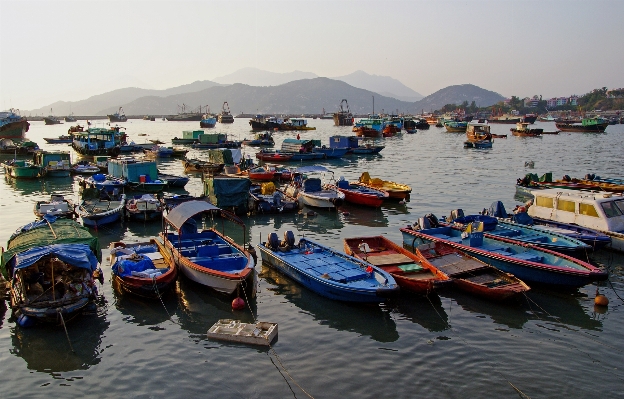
x=264, y=174
x=361, y=195
x=142, y=269
x=470, y=274
x=407, y=269
x=391, y=130
x=273, y=156
x=363, y=131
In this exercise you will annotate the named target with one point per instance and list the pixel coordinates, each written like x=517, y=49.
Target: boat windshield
x=613, y=208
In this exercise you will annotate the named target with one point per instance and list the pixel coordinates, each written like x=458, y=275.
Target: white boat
x=601, y=211
x=310, y=191
x=260, y=333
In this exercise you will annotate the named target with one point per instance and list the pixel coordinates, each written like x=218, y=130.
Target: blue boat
x=354, y=145
x=98, y=141
x=525, y=261
x=99, y=208
x=139, y=175
x=495, y=228
x=327, y=272
x=332, y=153
x=109, y=184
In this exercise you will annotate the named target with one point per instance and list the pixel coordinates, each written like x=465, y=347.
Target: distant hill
x=116, y=98
x=258, y=77
x=456, y=95
x=384, y=85
x=297, y=97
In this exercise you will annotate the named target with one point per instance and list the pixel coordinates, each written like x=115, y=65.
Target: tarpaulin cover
x=228, y=192
x=186, y=210
x=125, y=267
x=79, y=255
x=497, y=209
x=223, y=156
x=312, y=185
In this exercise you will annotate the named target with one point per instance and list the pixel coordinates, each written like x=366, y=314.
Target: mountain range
x=305, y=94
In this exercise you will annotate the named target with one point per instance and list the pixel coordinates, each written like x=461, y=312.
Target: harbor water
x=548, y=344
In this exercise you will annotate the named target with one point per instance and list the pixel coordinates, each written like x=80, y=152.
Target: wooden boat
x=56, y=206
x=273, y=156
x=499, y=136
x=361, y=195
x=209, y=257
x=266, y=199
x=201, y=166
x=140, y=175
x=52, y=264
x=144, y=269
x=408, y=270
x=525, y=261
x=365, y=131
x=21, y=169
x=522, y=129
x=144, y=207
x=591, y=125
x=259, y=333
x=470, y=274
x=188, y=137
x=98, y=141
x=99, y=208
x=310, y=191
x=334, y=275
x=262, y=173
x=63, y=139
x=601, y=211
x=52, y=120
x=158, y=151
x=395, y=190
x=456, y=127
x=390, y=130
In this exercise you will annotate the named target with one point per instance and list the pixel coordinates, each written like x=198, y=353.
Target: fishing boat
x=368, y=127
x=310, y=191
x=354, y=145
x=272, y=156
x=144, y=207
x=63, y=139
x=208, y=120
x=158, y=151
x=470, y=274
x=99, y=207
x=51, y=265
x=601, y=211
x=360, y=195
x=296, y=124
x=495, y=228
x=225, y=116
x=51, y=120
x=118, y=116
x=85, y=168
x=522, y=129
x=261, y=122
x=53, y=163
x=529, y=118
x=186, y=116
x=144, y=269
x=100, y=181
x=208, y=257
x=343, y=117
x=328, y=272
x=261, y=140
x=265, y=198
x=188, y=137
x=13, y=125
x=98, y=141
x=407, y=269
x=395, y=190
x=508, y=119
x=478, y=136
x=263, y=173
x=17, y=147
x=590, y=125
x=201, y=166
x=21, y=169
x=173, y=181
x=301, y=150
x=139, y=175
x=56, y=206
x=525, y=261
x=456, y=126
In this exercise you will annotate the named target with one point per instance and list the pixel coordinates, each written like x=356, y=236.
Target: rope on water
x=161, y=300
x=60, y=313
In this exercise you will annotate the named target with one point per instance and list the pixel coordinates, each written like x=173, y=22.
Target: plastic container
x=142, y=179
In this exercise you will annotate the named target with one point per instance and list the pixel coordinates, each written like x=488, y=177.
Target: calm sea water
x=550, y=344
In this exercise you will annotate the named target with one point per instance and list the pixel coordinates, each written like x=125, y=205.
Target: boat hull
x=570, y=127
x=14, y=130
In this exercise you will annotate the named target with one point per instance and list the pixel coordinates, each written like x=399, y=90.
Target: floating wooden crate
x=260, y=333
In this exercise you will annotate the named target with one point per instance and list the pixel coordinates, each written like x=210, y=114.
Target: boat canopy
x=186, y=210
x=79, y=255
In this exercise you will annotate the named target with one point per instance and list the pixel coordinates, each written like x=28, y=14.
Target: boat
x=144, y=207
x=173, y=180
x=470, y=274
x=601, y=211
x=102, y=162
x=201, y=166
x=51, y=264
x=369, y=127
x=13, y=125
x=208, y=120
x=431, y=119
x=343, y=117
x=301, y=150
x=143, y=269
x=525, y=261
x=188, y=137
x=118, y=116
x=508, y=119
x=100, y=181
x=330, y=152
x=51, y=119
x=18, y=147
x=273, y=156
x=310, y=191
x=53, y=163
x=355, y=145
x=258, y=333
x=495, y=227
x=456, y=126
x=22, y=169
x=478, y=136
x=327, y=272
x=85, y=167
x=56, y=206
x=184, y=116
x=149, y=118
x=158, y=151
x=71, y=118
x=296, y=124
x=98, y=141
x=173, y=200
x=260, y=140
x=139, y=175
x=215, y=141
x=63, y=139
x=99, y=207
x=74, y=129
x=208, y=257
x=263, y=173
x=410, y=272
x=592, y=125
x=358, y=194
x=265, y=198
x=225, y=116
x=261, y=122
x=395, y=190
x=522, y=130
x=529, y=118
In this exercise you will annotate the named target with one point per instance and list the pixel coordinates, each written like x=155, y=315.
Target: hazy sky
x=70, y=50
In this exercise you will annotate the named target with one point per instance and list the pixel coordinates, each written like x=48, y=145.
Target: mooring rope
x=161, y=300
x=60, y=313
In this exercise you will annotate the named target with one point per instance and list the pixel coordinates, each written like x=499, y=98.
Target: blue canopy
x=79, y=255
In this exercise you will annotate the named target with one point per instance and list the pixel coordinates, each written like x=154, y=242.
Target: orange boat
x=409, y=271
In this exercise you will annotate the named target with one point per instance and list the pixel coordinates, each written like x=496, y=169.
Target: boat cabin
x=52, y=159
x=133, y=170
x=345, y=141
x=601, y=211
x=298, y=122
x=192, y=134
x=97, y=138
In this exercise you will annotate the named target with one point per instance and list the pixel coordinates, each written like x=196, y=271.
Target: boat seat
x=207, y=251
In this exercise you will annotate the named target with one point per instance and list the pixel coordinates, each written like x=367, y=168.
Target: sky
x=70, y=50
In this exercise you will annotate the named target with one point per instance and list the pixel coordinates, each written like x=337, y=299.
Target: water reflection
x=46, y=349
x=363, y=216
x=145, y=312
x=428, y=312
x=367, y=320
x=513, y=315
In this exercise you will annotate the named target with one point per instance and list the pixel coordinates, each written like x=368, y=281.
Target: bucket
x=142, y=179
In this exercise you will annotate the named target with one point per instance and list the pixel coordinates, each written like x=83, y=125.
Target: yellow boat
x=395, y=190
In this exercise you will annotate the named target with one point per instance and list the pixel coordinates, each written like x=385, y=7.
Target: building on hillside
x=531, y=102
x=573, y=100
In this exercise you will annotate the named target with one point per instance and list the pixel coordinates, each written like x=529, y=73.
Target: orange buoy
x=238, y=303
x=601, y=300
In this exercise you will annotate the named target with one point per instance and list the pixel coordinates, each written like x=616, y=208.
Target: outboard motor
x=433, y=220
x=273, y=241
x=289, y=238
x=457, y=213
x=566, y=178
x=497, y=210
x=423, y=223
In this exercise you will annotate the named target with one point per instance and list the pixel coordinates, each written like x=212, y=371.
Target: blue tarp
x=497, y=209
x=33, y=225
x=79, y=255
x=312, y=185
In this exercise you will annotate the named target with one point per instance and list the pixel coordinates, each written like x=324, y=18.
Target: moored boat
x=522, y=129
x=63, y=139
x=395, y=190
x=591, y=125
x=310, y=191
x=226, y=115
x=333, y=275
x=456, y=126
x=85, y=168
x=144, y=207
x=53, y=163
x=343, y=117
x=12, y=125
x=201, y=166
x=56, y=206
x=21, y=169
x=272, y=156
x=361, y=195
x=118, y=116
x=408, y=270
x=265, y=198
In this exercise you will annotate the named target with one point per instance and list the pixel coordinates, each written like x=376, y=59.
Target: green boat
x=596, y=124
x=53, y=163
x=21, y=169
